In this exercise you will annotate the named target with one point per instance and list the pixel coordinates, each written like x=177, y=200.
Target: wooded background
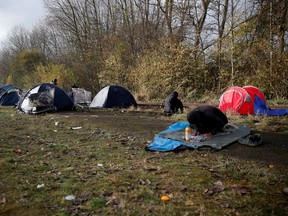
x=153, y=47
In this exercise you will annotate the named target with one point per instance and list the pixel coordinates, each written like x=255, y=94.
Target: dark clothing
x=172, y=104
x=207, y=119
x=179, y=106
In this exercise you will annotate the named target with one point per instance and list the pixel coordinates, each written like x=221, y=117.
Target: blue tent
x=4, y=89
x=10, y=95
x=113, y=96
x=45, y=97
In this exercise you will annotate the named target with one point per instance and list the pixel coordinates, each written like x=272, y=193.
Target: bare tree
x=282, y=18
x=167, y=9
x=79, y=23
x=18, y=39
x=197, y=16
x=221, y=19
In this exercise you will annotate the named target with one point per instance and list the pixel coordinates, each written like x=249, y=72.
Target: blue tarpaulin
x=173, y=138
x=165, y=144
x=260, y=108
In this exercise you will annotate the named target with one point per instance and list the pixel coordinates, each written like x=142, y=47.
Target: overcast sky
x=19, y=12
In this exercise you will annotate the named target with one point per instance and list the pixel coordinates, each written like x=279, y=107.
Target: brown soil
x=274, y=149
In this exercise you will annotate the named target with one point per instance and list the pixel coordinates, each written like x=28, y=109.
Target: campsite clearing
x=93, y=162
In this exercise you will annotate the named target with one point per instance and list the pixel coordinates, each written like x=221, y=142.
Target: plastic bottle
x=187, y=133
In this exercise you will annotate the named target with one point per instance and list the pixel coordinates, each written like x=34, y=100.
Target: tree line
x=153, y=47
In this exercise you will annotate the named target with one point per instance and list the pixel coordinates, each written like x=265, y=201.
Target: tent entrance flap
x=42, y=99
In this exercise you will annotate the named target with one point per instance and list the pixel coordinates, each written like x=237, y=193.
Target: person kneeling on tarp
x=207, y=120
x=172, y=104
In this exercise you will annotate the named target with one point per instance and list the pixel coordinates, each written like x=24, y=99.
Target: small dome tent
x=3, y=89
x=236, y=100
x=10, y=95
x=247, y=100
x=45, y=97
x=113, y=96
x=252, y=90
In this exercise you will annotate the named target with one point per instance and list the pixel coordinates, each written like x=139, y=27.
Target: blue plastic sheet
x=173, y=138
x=260, y=108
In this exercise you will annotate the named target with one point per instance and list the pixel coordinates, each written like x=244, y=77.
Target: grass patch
x=107, y=171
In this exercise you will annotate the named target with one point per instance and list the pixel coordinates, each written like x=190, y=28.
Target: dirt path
x=273, y=151
x=145, y=125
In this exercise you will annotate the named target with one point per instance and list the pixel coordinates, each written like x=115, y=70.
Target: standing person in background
x=207, y=120
x=172, y=104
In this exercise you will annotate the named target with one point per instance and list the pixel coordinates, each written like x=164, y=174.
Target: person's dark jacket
x=207, y=119
x=179, y=106
x=172, y=103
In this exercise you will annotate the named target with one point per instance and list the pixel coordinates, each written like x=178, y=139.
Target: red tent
x=252, y=90
x=236, y=100
x=247, y=100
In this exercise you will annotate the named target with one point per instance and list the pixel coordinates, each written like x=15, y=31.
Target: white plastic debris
x=70, y=197
x=40, y=185
x=76, y=128
x=100, y=165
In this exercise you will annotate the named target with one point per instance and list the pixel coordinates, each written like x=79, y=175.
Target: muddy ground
x=274, y=149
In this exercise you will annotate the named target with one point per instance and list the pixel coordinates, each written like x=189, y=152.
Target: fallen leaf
x=208, y=192
x=152, y=168
x=144, y=182
x=189, y=203
x=23, y=156
x=17, y=150
x=219, y=187
x=217, y=175
x=218, y=184
x=114, y=181
x=112, y=200
x=241, y=190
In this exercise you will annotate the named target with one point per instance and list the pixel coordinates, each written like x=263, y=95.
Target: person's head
x=175, y=94
x=195, y=119
x=54, y=82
